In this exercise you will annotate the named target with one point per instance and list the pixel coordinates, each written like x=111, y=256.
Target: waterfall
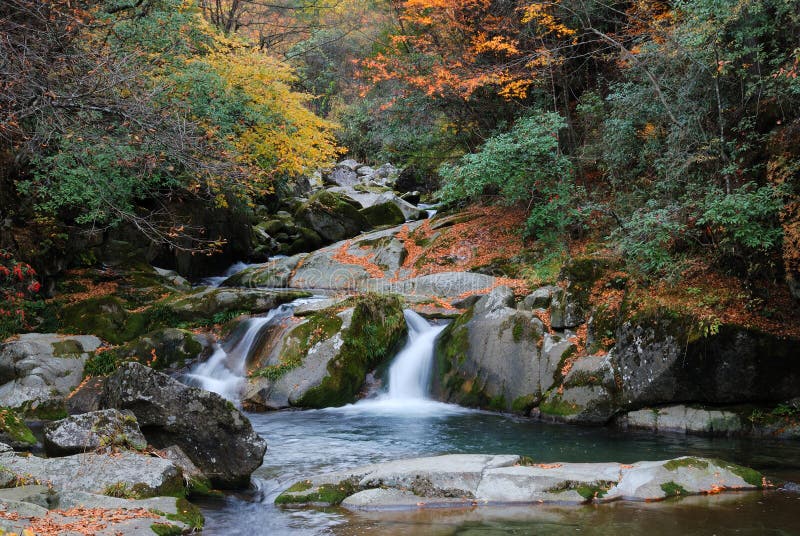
x=410, y=372
x=409, y=378
x=224, y=372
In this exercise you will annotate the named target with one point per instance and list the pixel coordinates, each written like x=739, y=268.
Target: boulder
x=331, y=216
x=273, y=274
x=541, y=298
x=383, y=214
x=125, y=473
x=93, y=431
x=162, y=349
x=410, y=212
x=469, y=480
x=215, y=435
x=38, y=371
x=323, y=360
x=565, y=312
x=491, y=357
x=663, y=357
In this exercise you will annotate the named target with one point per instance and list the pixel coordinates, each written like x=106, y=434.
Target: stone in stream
x=477, y=479
x=215, y=435
x=323, y=359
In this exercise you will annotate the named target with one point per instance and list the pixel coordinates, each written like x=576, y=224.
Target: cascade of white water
x=410, y=372
x=224, y=372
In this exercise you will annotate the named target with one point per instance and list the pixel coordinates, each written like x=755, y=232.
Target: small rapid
x=224, y=372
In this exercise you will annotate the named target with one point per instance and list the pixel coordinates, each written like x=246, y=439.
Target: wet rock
x=13, y=430
x=204, y=304
x=208, y=428
x=38, y=371
x=458, y=480
x=323, y=360
x=684, y=420
x=103, y=429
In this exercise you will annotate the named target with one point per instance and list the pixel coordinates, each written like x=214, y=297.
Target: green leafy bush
x=523, y=165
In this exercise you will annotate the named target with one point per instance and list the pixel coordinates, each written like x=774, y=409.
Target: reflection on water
x=303, y=443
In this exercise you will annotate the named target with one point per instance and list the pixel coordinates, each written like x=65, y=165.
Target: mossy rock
x=317, y=327
x=104, y=316
x=162, y=349
x=383, y=214
x=376, y=330
x=14, y=431
x=308, y=240
x=332, y=216
x=303, y=493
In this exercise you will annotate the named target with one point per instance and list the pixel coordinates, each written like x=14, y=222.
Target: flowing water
x=402, y=423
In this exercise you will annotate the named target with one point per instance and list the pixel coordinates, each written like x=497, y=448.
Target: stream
x=402, y=423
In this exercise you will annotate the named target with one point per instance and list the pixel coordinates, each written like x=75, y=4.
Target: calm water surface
x=304, y=443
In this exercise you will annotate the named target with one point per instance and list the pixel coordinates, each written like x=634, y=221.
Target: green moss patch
x=556, y=406
x=671, y=489
x=14, y=428
x=751, y=476
x=674, y=465
x=330, y=494
x=187, y=513
x=166, y=529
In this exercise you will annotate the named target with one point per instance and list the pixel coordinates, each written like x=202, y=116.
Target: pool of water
x=304, y=443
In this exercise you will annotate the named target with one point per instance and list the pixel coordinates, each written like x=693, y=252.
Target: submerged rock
x=474, y=480
x=209, y=429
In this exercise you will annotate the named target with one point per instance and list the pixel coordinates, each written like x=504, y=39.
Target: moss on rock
x=13, y=429
x=383, y=214
x=377, y=328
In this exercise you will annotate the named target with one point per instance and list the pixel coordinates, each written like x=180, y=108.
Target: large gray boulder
x=469, y=480
x=665, y=357
x=106, y=429
x=125, y=473
x=205, y=303
x=38, y=370
x=209, y=429
x=493, y=356
x=298, y=362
